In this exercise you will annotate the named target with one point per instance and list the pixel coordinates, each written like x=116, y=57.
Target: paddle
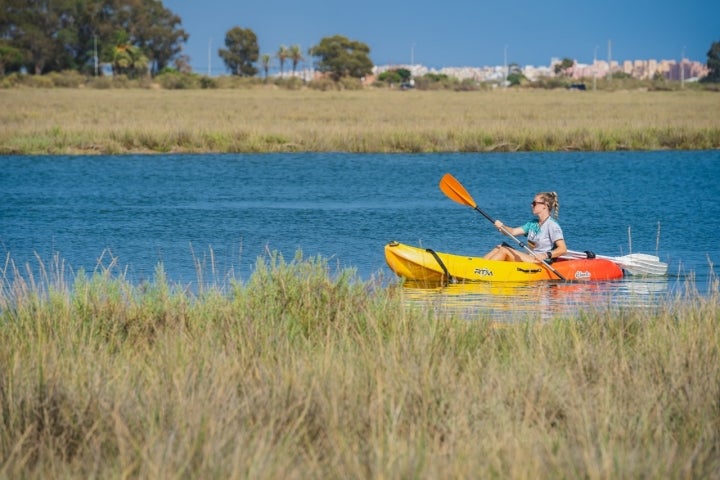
x=635, y=263
x=454, y=190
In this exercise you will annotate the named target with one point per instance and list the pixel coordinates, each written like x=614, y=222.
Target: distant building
x=641, y=69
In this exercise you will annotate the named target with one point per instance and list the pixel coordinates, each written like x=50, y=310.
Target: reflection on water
x=508, y=301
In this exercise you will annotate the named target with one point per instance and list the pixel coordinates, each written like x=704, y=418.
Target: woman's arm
x=560, y=249
x=512, y=230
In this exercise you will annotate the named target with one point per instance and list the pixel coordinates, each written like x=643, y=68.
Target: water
x=221, y=212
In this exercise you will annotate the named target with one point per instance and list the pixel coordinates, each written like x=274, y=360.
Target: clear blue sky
x=458, y=33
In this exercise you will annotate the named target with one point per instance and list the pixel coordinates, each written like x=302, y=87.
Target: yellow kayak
x=427, y=265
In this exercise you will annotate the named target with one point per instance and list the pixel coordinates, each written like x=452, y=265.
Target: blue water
x=221, y=212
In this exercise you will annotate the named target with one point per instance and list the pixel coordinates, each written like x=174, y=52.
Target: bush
x=10, y=81
x=235, y=81
x=121, y=81
x=323, y=84
x=436, y=81
x=68, y=79
x=38, y=81
x=467, y=85
x=172, y=80
x=207, y=82
x=290, y=83
x=549, y=83
x=350, y=83
x=102, y=82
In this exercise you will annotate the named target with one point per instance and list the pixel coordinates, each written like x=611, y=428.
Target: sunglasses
x=533, y=203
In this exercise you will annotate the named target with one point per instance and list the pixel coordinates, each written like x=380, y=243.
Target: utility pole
x=95, y=54
x=682, y=69
x=209, y=57
x=505, y=70
x=610, y=60
x=595, y=69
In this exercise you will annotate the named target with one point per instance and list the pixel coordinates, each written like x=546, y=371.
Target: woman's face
x=537, y=205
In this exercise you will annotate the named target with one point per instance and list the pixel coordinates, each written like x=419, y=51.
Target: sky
x=458, y=33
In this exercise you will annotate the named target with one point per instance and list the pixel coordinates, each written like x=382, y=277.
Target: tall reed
x=303, y=372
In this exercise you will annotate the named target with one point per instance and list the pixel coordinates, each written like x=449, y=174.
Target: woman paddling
x=544, y=235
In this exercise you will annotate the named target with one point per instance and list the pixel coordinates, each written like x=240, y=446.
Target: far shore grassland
x=270, y=119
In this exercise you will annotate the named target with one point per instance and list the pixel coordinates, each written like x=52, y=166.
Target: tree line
x=140, y=37
x=134, y=36
x=338, y=56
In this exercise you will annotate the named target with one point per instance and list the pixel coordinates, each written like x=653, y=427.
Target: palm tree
x=265, y=59
x=282, y=55
x=295, y=55
x=129, y=60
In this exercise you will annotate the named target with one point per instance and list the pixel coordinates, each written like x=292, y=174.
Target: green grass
x=302, y=372
x=267, y=119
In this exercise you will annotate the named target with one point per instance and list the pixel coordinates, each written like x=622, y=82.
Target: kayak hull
x=426, y=265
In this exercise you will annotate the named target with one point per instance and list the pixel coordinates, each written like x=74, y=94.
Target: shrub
x=37, y=81
x=323, y=84
x=68, y=79
x=101, y=82
x=291, y=83
x=10, y=81
x=350, y=83
x=172, y=80
x=207, y=82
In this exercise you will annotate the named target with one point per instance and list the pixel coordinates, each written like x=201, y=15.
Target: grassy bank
x=39, y=121
x=298, y=373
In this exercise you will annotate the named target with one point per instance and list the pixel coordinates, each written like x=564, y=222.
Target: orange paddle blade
x=455, y=191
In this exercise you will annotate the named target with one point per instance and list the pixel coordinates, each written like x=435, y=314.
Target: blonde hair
x=552, y=201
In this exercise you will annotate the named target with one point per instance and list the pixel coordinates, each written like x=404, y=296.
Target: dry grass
x=271, y=120
x=303, y=374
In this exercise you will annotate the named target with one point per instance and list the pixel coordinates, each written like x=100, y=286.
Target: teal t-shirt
x=543, y=237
